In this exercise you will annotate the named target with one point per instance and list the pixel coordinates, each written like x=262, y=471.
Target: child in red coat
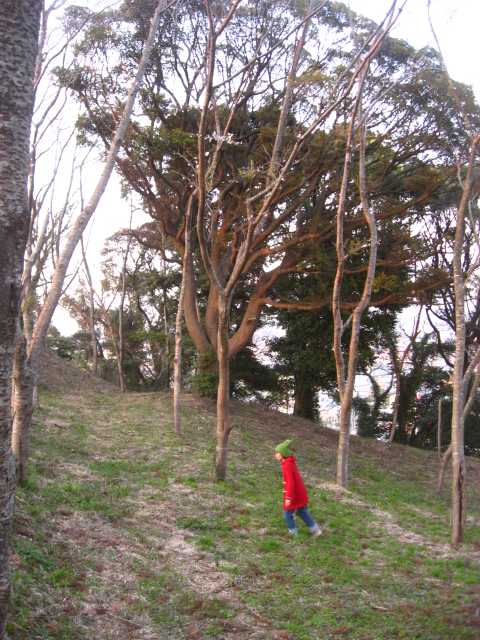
x=295, y=497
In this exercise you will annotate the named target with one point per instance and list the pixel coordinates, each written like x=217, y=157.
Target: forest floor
x=121, y=531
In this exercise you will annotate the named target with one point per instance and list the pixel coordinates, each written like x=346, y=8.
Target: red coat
x=294, y=488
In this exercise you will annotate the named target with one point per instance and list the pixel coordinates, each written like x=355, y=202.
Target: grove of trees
x=304, y=173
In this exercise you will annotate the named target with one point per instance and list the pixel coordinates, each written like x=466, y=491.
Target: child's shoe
x=317, y=533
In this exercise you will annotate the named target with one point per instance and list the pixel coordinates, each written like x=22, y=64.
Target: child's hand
x=288, y=502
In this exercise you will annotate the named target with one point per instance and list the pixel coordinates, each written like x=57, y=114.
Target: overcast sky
x=456, y=23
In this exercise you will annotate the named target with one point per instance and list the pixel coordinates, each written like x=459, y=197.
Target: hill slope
x=121, y=532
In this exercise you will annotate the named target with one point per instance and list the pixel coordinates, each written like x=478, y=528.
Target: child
x=295, y=495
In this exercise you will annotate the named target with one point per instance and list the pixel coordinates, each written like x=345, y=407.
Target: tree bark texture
x=223, y=393
x=22, y=405
x=19, y=28
x=22, y=429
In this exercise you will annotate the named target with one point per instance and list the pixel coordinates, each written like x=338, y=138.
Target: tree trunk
x=344, y=443
x=402, y=431
x=177, y=385
x=177, y=367
x=398, y=368
x=121, y=337
x=443, y=468
x=304, y=401
x=395, y=409
x=21, y=429
x=223, y=394
x=22, y=403
x=93, y=335
x=459, y=496
x=167, y=338
x=439, y=431
x=177, y=363
x=116, y=344
x=19, y=28
x=347, y=384
x=459, y=472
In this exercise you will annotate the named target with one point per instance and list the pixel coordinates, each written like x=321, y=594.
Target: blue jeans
x=304, y=515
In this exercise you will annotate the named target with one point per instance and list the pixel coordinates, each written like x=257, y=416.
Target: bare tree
x=121, y=307
x=23, y=409
x=19, y=29
x=460, y=377
x=463, y=391
x=91, y=313
x=115, y=337
x=346, y=376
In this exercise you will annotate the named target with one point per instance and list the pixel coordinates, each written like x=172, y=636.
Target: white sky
x=456, y=23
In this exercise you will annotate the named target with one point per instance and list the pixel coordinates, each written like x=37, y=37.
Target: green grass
x=122, y=532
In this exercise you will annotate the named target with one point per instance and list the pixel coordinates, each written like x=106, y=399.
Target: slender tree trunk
x=395, y=407
x=22, y=429
x=19, y=28
x=459, y=472
x=223, y=394
x=439, y=431
x=177, y=363
x=398, y=367
x=93, y=335
x=120, y=350
x=347, y=385
x=116, y=344
x=459, y=493
x=165, y=317
x=447, y=456
x=121, y=337
x=22, y=401
x=177, y=384
x=167, y=338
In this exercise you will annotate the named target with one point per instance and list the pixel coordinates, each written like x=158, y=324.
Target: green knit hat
x=284, y=448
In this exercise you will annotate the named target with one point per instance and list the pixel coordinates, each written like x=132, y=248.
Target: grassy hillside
x=121, y=531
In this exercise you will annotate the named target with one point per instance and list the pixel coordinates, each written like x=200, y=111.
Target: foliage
x=206, y=374
x=253, y=379
x=415, y=134
x=64, y=347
